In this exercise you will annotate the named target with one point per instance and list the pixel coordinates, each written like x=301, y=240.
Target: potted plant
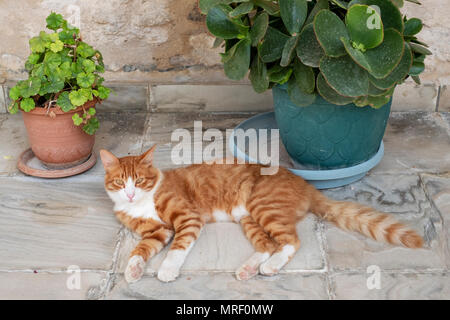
x=332, y=65
x=58, y=99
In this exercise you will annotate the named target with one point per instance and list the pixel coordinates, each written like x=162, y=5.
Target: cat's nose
x=130, y=196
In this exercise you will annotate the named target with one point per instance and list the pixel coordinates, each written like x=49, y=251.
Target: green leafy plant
x=63, y=72
x=345, y=51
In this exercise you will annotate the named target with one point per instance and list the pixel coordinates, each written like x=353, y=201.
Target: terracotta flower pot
x=56, y=141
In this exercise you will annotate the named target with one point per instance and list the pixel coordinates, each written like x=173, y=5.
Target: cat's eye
x=119, y=182
x=140, y=180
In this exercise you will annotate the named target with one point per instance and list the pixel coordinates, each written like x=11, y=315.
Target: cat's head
x=129, y=179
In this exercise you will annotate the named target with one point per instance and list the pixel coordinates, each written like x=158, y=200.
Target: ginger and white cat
x=177, y=203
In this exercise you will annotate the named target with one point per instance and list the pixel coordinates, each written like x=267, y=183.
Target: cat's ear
x=147, y=157
x=108, y=159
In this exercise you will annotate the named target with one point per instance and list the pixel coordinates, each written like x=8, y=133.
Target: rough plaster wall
x=166, y=41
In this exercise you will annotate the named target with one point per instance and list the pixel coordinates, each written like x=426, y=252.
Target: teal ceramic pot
x=327, y=136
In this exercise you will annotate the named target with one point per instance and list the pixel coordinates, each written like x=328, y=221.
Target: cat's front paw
x=168, y=274
x=135, y=269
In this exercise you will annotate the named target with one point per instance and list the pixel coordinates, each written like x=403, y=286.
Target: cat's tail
x=371, y=223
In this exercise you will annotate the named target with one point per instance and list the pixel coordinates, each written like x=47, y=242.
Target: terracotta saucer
x=30, y=165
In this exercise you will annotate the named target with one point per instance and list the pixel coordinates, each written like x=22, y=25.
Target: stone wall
x=165, y=42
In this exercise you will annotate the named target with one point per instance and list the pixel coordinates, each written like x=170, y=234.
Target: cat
x=178, y=203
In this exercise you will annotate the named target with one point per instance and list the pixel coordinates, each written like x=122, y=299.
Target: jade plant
x=345, y=51
x=63, y=71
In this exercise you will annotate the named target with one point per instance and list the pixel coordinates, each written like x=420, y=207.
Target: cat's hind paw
x=168, y=274
x=135, y=269
x=250, y=268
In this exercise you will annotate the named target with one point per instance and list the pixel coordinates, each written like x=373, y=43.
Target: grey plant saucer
x=321, y=179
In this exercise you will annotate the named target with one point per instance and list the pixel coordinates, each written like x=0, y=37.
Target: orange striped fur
x=177, y=203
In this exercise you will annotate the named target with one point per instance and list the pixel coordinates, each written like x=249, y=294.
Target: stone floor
x=50, y=226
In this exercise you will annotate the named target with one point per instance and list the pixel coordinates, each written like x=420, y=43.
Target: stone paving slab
x=126, y=97
x=52, y=224
x=120, y=133
x=415, y=142
x=48, y=286
x=438, y=189
x=161, y=126
x=224, y=247
x=224, y=286
x=3, y=106
x=403, y=196
x=13, y=141
x=393, y=286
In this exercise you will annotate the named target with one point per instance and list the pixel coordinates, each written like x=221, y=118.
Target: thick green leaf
x=399, y=73
x=384, y=58
x=345, y=76
x=64, y=102
x=416, y=79
x=419, y=49
x=357, y=55
x=279, y=75
x=297, y=96
x=304, y=76
x=27, y=104
x=412, y=27
x=271, y=8
x=340, y=3
x=205, y=5
x=329, y=29
x=237, y=66
x=241, y=9
x=329, y=94
x=374, y=91
x=309, y=50
x=416, y=68
x=293, y=13
x=377, y=102
x=320, y=4
x=258, y=75
x=259, y=28
x=390, y=14
x=54, y=21
x=220, y=24
x=271, y=47
x=364, y=27
x=289, y=51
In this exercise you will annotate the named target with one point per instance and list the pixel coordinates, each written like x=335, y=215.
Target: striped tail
x=365, y=220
